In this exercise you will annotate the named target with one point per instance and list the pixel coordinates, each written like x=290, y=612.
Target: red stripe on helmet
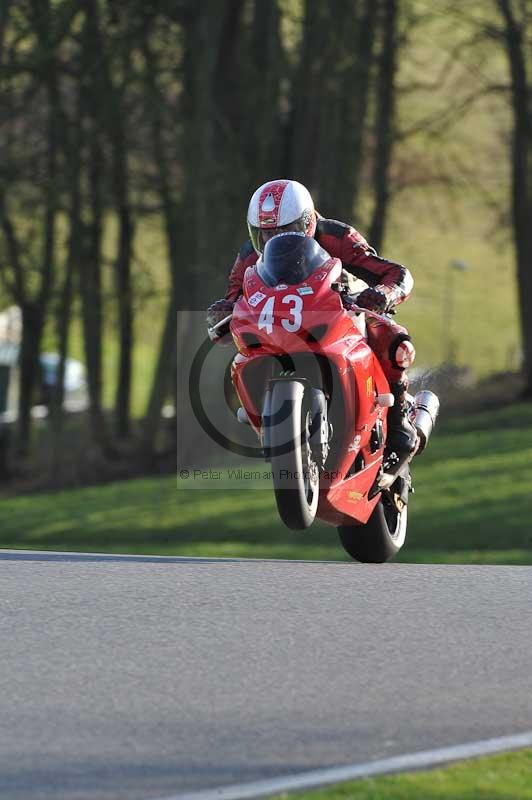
x=270, y=203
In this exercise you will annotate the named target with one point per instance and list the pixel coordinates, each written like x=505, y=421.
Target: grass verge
x=504, y=777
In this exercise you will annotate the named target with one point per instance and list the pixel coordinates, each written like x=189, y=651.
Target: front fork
x=319, y=429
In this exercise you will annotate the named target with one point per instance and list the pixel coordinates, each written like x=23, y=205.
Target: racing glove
x=215, y=314
x=377, y=298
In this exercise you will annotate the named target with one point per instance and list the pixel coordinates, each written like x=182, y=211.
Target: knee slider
x=402, y=352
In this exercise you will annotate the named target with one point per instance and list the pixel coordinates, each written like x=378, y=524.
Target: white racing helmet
x=278, y=207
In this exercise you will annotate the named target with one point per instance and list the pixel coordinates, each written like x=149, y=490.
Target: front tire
x=295, y=474
x=381, y=538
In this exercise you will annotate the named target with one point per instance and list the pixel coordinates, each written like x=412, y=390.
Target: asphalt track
x=143, y=677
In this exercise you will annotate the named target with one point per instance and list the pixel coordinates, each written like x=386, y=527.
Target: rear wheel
x=381, y=538
x=294, y=471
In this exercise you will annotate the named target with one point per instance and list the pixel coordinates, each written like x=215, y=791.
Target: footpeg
x=386, y=400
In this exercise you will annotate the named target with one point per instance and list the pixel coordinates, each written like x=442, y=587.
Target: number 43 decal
x=290, y=325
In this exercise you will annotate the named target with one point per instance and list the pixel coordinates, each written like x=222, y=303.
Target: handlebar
x=222, y=322
x=354, y=309
x=367, y=312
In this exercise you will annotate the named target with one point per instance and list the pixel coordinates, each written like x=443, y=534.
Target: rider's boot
x=402, y=436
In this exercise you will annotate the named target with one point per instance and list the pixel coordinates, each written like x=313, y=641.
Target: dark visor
x=259, y=236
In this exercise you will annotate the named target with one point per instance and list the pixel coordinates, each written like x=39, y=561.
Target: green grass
x=502, y=777
x=473, y=505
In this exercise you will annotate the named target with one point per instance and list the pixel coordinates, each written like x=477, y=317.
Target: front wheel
x=295, y=474
x=381, y=538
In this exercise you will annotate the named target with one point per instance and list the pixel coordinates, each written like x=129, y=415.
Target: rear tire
x=381, y=538
x=295, y=475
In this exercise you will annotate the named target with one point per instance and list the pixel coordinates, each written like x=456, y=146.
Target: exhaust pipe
x=424, y=416
x=427, y=409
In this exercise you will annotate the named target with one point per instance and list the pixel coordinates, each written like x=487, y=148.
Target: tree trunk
x=34, y=308
x=29, y=368
x=331, y=101
x=203, y=181
x=308, y=92
x=64, y=314
x=5, y=8
x=73, y=144
x=354, y=83
x=90, y=277
x=385, y=121
x=112, y=113
x=123, y=286
x=91, y=289
x=515, y=44
x=161, y=379
x=167, y=346
x=267, y=69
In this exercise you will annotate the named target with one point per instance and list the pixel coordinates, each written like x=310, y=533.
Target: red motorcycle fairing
x=306, y=326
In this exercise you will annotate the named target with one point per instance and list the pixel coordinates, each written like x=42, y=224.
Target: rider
x=285, y=205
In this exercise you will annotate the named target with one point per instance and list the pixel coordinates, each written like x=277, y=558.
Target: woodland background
x=132, y=134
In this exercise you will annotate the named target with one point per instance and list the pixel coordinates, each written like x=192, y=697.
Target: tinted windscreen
x=290, y=258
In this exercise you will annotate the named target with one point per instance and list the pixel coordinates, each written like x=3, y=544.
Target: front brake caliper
x=319, y=427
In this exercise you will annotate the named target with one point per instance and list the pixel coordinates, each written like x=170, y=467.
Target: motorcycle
x=316, y=396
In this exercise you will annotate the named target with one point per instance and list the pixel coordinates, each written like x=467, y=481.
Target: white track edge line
x=323, y=777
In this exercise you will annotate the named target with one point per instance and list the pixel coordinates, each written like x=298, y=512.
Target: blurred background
x=132, y=135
